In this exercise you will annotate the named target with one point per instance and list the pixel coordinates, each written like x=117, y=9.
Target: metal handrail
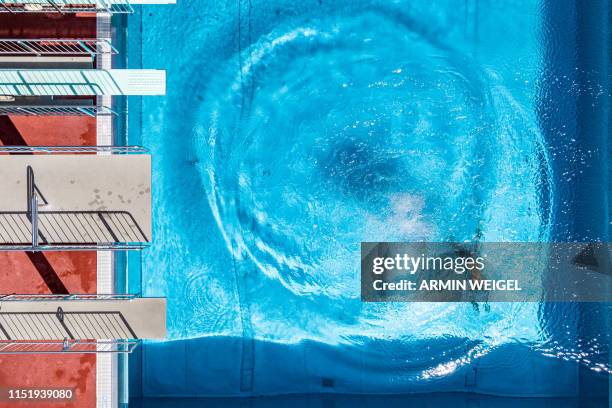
x=53, y=46
x=69, y=346
x=66, y=6
x=74, y=296
x=74, y=149
x=56, y=110
x=33, y=214
x=32, y=199
x=98, y=246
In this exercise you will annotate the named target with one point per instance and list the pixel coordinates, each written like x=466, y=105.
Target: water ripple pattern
x=338, y=132
x=323, y=132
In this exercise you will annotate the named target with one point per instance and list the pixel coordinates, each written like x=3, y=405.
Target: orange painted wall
x=57, y=130
x=77, y=271
x=77, y=372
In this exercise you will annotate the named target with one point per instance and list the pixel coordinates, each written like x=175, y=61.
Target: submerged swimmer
x=475, y=274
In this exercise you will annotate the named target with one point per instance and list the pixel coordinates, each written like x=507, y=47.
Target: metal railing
x=73, y=149
x=68, y=346
x=55, y=110
x=66, y=6
x=45, y=47
x=74, y=296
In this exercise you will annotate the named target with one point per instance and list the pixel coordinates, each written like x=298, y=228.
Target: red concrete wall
x=76, y=270
x=57, y=130
x=47, y=26
x=75, y=372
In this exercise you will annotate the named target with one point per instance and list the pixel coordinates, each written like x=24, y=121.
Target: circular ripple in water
x=360, y=129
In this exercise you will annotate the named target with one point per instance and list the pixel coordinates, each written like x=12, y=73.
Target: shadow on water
x=457, y=400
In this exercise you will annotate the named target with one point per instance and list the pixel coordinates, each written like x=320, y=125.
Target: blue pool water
x=291, y=132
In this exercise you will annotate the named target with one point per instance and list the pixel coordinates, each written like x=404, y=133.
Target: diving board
x=74, y=201
x=89, y=319
x=82, y=82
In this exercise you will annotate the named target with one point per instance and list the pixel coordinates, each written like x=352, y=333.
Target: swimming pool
x=292, y=132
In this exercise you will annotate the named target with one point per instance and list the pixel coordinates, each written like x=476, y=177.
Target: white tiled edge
x=106, y=363
x=104, y=123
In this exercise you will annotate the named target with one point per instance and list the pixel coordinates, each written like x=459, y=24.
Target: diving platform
x=82, y=82
x=71, y=198
x=79, y=323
